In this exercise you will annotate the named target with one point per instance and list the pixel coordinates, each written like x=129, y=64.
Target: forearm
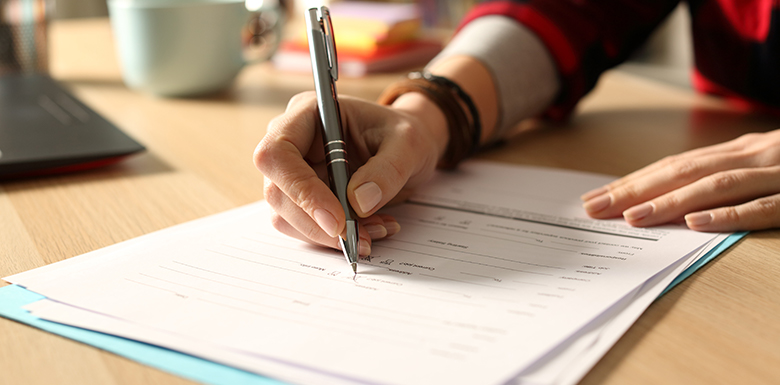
x=475, y=79
x=504, y=67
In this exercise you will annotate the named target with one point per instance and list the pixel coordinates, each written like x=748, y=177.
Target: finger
x=392, y=226
x=759, y=214
x=719, y=149
x=284, y=227
x=722, y=149
x=374, y=226
x=672, y=176
x=280, y=157
x=290, y=220
x=717, y=190
x=394, y=151
x=295, y=222
x=300, y=100
x=364, y=244
x=398, y=160
x=380, y=226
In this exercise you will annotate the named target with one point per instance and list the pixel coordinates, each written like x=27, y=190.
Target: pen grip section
x=338, y=173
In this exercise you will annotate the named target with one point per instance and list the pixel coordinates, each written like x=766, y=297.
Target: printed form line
x=439, y=322
x=527, y=220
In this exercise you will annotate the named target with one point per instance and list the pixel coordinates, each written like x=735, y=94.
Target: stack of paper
x=370, y=37
x=497, y=276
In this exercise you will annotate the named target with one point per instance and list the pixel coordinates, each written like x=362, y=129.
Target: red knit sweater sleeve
x=585, y=37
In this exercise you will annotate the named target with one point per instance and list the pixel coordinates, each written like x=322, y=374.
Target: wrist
x=461, y=116
x=430, y=116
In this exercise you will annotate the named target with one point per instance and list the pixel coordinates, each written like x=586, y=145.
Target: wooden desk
x=720, y=326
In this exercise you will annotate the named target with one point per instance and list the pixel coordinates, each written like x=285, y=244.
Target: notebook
x=44, y=129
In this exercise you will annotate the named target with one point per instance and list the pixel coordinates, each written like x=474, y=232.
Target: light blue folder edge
x=730, y=240
x=13, y=298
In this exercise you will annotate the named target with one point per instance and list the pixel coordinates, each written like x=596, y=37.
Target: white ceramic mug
x=188, y=47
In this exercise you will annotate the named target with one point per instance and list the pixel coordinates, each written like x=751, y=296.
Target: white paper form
x=476, y=274
x=572, y=359
x=566, y=364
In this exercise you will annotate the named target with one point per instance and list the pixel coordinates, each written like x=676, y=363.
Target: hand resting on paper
x=391, y=150
x=730, y=186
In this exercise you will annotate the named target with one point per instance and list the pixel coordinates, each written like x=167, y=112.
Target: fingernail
x=598, y=203
x=593, y=193
x=364, y=248
x=326, y=221
x=698, y=219
x=368, y=196
x=392, y=227
x=638, y=212
x=376, y=231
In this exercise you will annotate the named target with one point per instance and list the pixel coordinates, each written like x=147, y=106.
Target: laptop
x=44, y=130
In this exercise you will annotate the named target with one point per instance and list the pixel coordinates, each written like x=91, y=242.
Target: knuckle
x=751, y=137
x=301, y=98
x=395, y=172
x=670, y=201
x=275, y=123
x=271, y=145
x=724, y=181
x=743, y=141
x=729, y=215
x=301, y=193
x=262, y=154
x=409, y=135
x=768, y=208
x=669, y=161
x=765, y=153
x=273, y=195
x=627, y=192
x=310, y=231
x=758, y=214
x=279, y=223
x=685, y=169
x=409, y=140
x=307, y=228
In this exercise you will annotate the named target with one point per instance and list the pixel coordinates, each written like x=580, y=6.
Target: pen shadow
x=645, y=327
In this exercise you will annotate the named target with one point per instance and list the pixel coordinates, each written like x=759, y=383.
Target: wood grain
x=719, y=326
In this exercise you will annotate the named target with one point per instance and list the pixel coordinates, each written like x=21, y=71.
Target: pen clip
x=330, y=42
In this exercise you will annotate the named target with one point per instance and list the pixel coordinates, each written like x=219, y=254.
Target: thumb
x=395, y=165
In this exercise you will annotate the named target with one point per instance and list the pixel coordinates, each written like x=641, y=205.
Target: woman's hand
x=726, y=187
x=390, y=149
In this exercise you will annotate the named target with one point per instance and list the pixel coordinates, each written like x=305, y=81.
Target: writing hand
x=731, y=186
x=390, y=149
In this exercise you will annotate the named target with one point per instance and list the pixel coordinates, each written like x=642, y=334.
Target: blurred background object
x=370, y=37
x=72, y=9
x=666, y=57
x=444, y=13
x=180, y=48
x=23, y=36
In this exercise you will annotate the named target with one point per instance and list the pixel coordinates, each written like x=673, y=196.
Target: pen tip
x=354, y=267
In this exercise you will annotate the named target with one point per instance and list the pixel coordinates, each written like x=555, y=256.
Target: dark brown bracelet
x=461, y=114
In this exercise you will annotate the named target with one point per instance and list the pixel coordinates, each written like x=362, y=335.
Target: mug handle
x=262, y=33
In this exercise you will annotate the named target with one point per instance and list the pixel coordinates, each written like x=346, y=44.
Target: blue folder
x=13, y=298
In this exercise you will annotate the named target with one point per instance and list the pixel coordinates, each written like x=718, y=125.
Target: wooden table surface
x=720, y=326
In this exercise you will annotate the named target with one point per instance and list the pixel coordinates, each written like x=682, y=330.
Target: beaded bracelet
x=461, y=114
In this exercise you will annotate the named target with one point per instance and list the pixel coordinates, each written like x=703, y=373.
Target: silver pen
x=324, y=65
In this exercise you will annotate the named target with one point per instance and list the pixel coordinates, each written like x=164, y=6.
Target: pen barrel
x=330, y=117
x=338, y=173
